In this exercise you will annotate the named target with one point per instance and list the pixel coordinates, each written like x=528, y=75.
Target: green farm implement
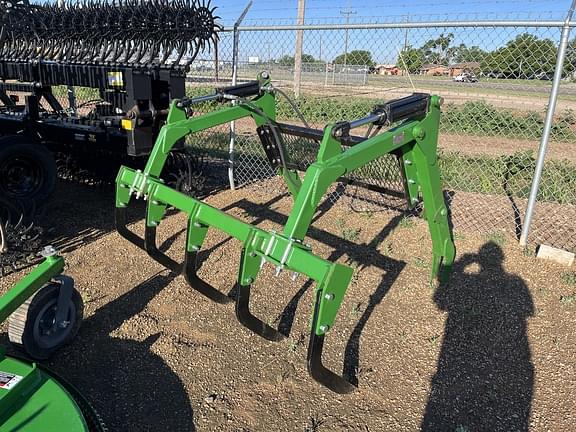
x=44, y=312
x=413, y=139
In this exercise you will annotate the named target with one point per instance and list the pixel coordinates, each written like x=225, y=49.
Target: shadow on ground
x=131, y=387
x=367, y=254
x=485, y=375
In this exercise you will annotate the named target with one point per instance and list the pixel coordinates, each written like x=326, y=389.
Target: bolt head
x=48, y=251
x=324, y=328
x=329, y=296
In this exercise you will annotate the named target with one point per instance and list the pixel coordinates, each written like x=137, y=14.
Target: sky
x=330, y=10
x=383, y=44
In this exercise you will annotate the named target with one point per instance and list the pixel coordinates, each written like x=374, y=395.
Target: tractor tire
x=31, y=326
x=27, y=170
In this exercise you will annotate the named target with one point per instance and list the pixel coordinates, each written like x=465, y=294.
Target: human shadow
x=485, y=376
x=131, y=387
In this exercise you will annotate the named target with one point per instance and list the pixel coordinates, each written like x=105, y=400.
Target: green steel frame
x=37, y=401
x=414, y=142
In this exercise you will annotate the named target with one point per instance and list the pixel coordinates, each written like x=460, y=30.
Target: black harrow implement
x=128, y=32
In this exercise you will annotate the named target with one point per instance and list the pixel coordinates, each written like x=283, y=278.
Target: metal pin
x=133, y=185
x=411, y=181
x=285, y=255
x=294, y=276
x=278, y=270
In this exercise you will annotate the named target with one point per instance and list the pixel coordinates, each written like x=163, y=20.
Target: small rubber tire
x=27, y=326
x=30, y=156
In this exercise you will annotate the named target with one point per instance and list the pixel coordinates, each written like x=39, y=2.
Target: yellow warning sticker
x=126, y=124
x=115, y=79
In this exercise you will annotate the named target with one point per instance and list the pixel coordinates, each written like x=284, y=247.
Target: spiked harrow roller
x=128, y=32
x=119, y=62
x=413, y=141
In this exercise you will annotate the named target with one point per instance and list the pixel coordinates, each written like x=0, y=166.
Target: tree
x=569, y=70
x=288, y=60
x=464, y=54
x=356, y=57
x=411, y=59
x=526, y=56
x=439, y=51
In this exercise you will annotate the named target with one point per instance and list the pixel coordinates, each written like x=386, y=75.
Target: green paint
x=37, y=403
x=415, y=141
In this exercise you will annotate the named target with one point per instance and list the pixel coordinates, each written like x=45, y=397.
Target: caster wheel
x=32, y=326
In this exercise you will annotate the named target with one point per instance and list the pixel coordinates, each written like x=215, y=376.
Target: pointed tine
x=250, y=321
x=19, y=221
x=317, y=370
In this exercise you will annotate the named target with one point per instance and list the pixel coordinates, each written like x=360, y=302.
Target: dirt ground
x=494, y=350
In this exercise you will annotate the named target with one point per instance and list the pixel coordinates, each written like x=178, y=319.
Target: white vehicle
x=465, y=77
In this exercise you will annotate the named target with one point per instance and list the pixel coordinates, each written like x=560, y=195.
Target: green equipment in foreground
x=414, y=141
x=45, y=312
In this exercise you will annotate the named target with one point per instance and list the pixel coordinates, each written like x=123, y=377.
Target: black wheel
x=184, y=172
x=32, y=326
x=27, y=170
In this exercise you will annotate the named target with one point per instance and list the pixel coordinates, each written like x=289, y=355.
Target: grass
x=387, y=248
x=569, y=278
x=315, y=422
x=406, y=222
x=357, y=310
x=420, y=263
x=568, y=299
x=497, y=237
x=496, y=175
x=294, y=344
x=347, y=233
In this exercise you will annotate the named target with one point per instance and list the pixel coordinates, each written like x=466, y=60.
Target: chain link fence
x=495, y=79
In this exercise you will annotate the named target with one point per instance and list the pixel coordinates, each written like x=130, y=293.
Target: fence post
x=547, y=127
x=298, y=51
x=235, y=48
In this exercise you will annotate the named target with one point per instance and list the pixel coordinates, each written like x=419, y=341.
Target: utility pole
x=298, y=54
x=406, y=33
x=347, y=12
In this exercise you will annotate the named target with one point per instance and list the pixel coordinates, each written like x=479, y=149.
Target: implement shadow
x=485, y=376
x=367, y=254
x=131, y=387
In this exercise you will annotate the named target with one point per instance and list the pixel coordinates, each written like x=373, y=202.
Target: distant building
x=434, y=70
x=466, y=67
x=384, y=69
